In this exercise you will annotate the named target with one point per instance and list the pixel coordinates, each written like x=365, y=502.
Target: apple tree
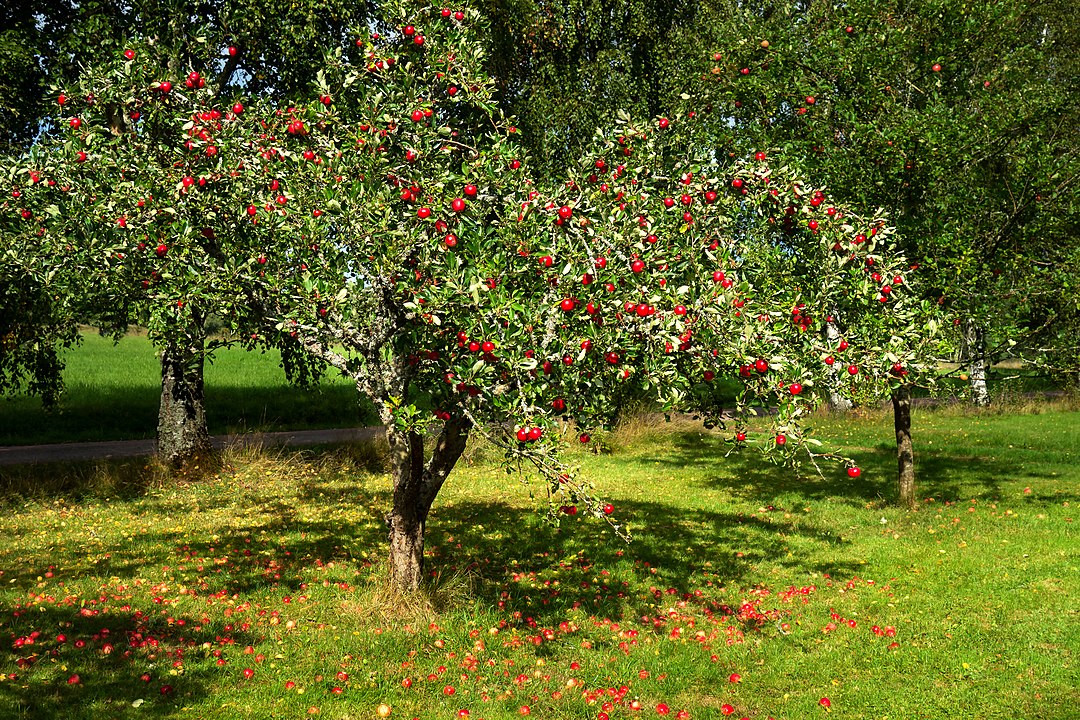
x=391, y=226
x=462, y=293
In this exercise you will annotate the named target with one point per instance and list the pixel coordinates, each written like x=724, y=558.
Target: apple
x=470, y=190
x=825, y=703
x=417, y=116
x=740, y=437
x=795, y=388
x=761, y=365
x=423, y=213
x=853, y=369
x=565, y=212
x=383, y=710
x=854, y=471
x=458, y=205
x=129, y=54
x=567, y=304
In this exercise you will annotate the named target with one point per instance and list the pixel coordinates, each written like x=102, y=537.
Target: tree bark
x=416, y=485
x=975, y=348
x=182, y=432
x=837, y=401
x=905, y=453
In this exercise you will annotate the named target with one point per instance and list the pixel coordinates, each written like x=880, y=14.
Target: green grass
x=112, y=393
x=736, y=567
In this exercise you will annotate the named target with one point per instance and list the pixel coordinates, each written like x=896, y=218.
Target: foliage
x=960, y=120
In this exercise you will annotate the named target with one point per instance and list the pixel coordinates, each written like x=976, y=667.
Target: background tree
x=229, y=45
x=959, y=120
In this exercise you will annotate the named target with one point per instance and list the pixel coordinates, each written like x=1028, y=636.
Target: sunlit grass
x=112, y=393
x=272, y=562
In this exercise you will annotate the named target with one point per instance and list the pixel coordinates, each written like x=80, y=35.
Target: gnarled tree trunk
x=905, y=452
x=182, y=432
x=416, y=484
x=975, y=356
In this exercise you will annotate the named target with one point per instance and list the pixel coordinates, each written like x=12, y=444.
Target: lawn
x=255, y=592
x=244, y=391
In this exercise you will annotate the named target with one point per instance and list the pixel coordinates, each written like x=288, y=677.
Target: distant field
x=113, y=390
x=112, y=394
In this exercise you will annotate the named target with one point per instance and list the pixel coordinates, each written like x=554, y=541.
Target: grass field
x=255, y=592
x=244, y=392
x=112, y=393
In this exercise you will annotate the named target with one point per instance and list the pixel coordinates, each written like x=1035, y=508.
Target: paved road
x=74, y=452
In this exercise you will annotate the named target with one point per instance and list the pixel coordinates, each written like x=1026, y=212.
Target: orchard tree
x=391, y=226
x=960, y=120
x=229, y=45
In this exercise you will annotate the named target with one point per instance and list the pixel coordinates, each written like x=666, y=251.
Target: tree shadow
x=133, y=412
x=123, y=661
x=546, y=572
x=744, y=474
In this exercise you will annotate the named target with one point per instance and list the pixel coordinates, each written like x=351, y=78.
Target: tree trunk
x=905, y=454
x=837, y=401
x=975, y=347
x=415, y=487
x=182, y=432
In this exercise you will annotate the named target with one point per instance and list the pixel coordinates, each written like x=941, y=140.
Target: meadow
x=248, y=391
x=253, y=588
x=112, y=392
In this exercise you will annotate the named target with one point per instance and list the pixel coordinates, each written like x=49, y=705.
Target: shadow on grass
x=132, y=412
x=108, y=660
x=745, y=474
x=520, y=564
